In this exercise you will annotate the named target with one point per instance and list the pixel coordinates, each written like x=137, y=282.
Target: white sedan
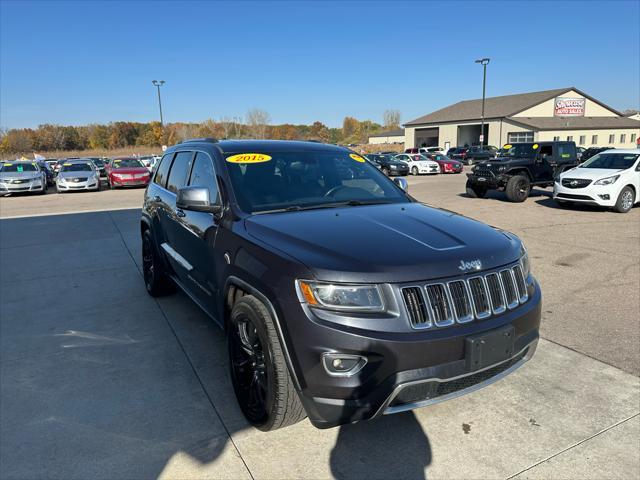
x=418, y=163
x=609, y=179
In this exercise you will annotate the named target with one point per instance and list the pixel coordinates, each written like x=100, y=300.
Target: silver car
x=78, y=175
x=20, y=176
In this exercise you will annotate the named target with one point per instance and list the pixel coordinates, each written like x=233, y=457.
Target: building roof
x=496, y=107
x=575, y=123
x=391, y=133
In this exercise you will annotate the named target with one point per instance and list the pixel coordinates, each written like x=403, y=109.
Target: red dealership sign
x=569, y=107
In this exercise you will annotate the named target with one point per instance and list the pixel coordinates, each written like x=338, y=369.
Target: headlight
x=61, y=180
x=502, y=168
x=607, y=180
x=394, y=166
x=524, y=261
x=366, y=298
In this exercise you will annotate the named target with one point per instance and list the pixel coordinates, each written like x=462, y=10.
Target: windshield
x=97, y=162
x=308, y=179
x=76, y=167
x=127, y=163
x=613, y=161
x=18, y=167
x=520, y=150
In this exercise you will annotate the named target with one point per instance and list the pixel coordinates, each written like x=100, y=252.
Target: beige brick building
x=561, y=114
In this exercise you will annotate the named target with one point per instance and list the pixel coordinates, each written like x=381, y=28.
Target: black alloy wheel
x=249, y=370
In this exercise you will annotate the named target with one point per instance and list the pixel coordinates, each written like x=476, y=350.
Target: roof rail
x=205, y=139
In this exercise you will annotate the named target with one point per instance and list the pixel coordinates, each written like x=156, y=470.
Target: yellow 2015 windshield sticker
x=7, y=164
x=357, y=158
x=535, y=146
x=248, y=158
x=66, y=164
x=117, y=161
x=507, y=146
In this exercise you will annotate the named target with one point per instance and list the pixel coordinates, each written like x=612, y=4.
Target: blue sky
x=84, y=62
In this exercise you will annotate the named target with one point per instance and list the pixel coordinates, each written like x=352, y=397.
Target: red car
x=446, y=164
x=127, y=172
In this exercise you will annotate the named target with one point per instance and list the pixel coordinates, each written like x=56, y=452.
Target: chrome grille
x=414, y=301
x=465, y=299
x=575, y=182
x=440, y=305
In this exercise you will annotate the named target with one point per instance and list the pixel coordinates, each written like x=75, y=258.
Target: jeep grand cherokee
x=342, y=297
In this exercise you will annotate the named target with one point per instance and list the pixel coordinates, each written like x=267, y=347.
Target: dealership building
x=392, y=136
x=561, y=114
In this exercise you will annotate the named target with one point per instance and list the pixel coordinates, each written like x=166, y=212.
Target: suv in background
x=524, y=165
x=457, y=153
x=342, y=297
x=476, y=154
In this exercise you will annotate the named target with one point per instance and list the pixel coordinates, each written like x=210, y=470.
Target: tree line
x=257, y=124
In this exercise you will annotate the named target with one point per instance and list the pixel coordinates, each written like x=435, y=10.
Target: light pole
x=483, y=62
x=158, y=84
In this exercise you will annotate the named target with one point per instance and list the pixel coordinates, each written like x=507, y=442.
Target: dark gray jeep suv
x=342, y=297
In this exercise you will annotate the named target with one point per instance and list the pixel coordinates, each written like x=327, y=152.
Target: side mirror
x=196, y=199
x=402, y=183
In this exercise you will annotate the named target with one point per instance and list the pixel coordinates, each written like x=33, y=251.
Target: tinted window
x=566, y=150
x=202, y=175
x=163, y=170
x=179, y=171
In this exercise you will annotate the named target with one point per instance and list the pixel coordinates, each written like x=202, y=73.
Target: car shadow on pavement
x=392, y=446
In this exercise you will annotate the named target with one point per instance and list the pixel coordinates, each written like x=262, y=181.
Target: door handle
x=180, y=213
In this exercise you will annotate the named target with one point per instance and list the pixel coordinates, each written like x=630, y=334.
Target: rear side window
x=179, y=171
x=566, y=150
x=163, y=170
x=202, y=175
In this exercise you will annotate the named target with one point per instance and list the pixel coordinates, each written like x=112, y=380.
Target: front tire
x=625, y=201
x=414, y=171
x=475, y=191
x=386, y=171
x=518, y=188
x=259, y=373
x=156, y=280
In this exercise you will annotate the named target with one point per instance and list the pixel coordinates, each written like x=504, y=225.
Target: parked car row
x=72, y=174
x=414, y=163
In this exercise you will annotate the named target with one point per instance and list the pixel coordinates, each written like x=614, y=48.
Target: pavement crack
x=574, y=445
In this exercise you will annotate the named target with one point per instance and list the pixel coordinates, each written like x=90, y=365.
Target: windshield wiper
x=347, y=203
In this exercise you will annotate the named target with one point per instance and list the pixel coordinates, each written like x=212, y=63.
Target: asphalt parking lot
x=99, y=380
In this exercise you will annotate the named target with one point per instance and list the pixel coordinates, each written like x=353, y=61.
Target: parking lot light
x=483, y=62
x=158, y=84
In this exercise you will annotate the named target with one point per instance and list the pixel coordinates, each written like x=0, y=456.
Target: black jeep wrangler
x=286, y=246
x=522, y=166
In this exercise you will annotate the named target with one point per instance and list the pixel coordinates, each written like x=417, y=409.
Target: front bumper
x=21, y=187
x=488, y=181
x=405, y=371
x=129, y=182
x=73, y=186
x=602, y=195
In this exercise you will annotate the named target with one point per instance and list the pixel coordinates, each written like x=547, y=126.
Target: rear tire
x=626, y=199
x=475, y=191
x=156, y=280
x=518, y=188
x=259, y=373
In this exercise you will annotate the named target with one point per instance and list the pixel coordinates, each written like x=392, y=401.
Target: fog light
x=342, y=364
x=604, y=197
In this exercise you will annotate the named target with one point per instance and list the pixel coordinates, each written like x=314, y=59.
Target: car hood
x=590, y=173
x=384, y=243
x=19, y=175
x=129, y=170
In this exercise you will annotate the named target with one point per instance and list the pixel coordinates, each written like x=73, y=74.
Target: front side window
x=179, y=171
x=613, y=161
x=566, y=150
x=306, y=180
x=202, y=175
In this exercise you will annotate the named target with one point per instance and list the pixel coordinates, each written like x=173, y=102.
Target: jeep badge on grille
x=471, y=265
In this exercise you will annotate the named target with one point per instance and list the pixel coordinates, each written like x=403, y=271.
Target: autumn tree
x=391, y=119
x=319, y=131
x=257, y=121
